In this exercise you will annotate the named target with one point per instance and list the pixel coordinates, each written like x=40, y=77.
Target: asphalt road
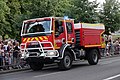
x=107, y=69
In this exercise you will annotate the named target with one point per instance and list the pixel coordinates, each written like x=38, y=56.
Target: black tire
x=66, y=62
x=93, y=57
x=36, y=66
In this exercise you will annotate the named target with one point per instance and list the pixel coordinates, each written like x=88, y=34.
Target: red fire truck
x=59, y=40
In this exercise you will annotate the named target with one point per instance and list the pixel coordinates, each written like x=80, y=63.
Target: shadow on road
x=55, y=68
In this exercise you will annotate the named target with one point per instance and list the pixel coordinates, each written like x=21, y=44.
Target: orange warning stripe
x=40, y=38
x=35, y=38
x=32, y=39
x=28, y=39
x=92, y=45
x=45, y=37
x=24, y=39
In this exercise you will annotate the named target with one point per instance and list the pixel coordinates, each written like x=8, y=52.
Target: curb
x=14, y=70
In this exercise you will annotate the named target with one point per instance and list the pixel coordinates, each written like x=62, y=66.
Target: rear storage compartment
x=88, y=34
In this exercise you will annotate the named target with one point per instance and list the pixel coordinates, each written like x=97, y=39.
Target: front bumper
x=37, y=49
x=48, y=53
x=41, y=60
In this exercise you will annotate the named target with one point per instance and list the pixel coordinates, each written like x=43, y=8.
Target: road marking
x=112, y=77
x=47, y=74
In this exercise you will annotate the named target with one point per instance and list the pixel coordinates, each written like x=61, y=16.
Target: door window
x=69, y=27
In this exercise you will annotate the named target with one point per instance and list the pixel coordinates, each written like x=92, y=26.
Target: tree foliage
x=13, y=12
x=110, y=15
x=84, y=11
x=4, y=11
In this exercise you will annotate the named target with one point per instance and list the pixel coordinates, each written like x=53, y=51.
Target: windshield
x=37, y=27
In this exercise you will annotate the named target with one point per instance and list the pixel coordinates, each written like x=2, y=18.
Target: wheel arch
x=64, y=48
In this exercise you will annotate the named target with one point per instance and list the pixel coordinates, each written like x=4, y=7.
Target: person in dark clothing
x=16, y=53
x=39, y=28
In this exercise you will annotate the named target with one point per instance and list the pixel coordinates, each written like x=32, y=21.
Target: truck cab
x=43, y=38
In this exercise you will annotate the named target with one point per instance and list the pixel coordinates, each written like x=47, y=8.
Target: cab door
x=70, y=31
x=59, y=34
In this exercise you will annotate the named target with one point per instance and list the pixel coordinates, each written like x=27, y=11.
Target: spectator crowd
x=9, y=54
x=112, y=46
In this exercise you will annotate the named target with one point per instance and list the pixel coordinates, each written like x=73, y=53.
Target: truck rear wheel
x=66, y=62
x=93, y=57
x=36, y=66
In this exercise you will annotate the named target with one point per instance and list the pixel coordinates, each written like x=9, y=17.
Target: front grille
x=33, y=46
x=33, y=54
x=34, y=50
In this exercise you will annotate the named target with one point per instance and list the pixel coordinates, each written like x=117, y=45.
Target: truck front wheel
x=36, y=66
x=66, y=62
x=93, y=57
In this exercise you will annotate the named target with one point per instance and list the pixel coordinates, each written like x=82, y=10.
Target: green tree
x=62, y=8
x=45, y=8
x=4, y=24
x=84, y=11
x=14, y=17
x=110, y=15
x=26, y=9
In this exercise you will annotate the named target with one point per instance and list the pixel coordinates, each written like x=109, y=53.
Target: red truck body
x=55, y=39
x=90, y=34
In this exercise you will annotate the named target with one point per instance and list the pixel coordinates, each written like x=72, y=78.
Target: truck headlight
x=52, y=53
x=23, y=55
x=27, y=55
